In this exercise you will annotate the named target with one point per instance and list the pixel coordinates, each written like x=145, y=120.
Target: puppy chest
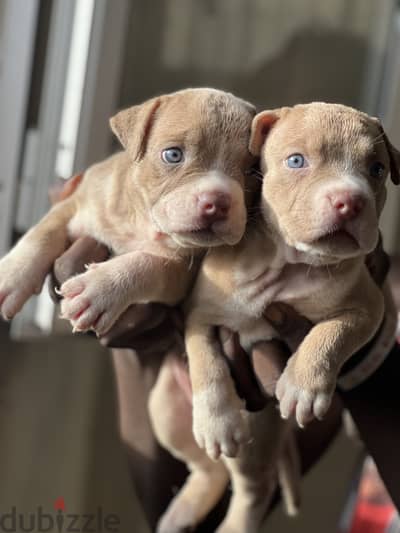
x=293, y=283
x=253, y=296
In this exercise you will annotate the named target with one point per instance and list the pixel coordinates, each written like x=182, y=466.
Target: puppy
x=324, y=169
x=176, y=190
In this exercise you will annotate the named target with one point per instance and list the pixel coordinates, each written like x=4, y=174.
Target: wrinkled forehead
x=334, y=132
x=208, y=120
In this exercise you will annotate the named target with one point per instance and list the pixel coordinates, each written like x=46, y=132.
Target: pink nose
x=213, y=206
x=347, y=205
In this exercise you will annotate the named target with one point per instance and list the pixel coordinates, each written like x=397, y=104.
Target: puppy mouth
x=210, y=235
x=339, y=238
x=199, y=236
x=332, y=245
x=199, y=232
x=194, y=235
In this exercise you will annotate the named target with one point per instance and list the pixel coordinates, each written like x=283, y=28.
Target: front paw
x=19, y=280
x=306, y=398
x=219, y=427
x=93, y=300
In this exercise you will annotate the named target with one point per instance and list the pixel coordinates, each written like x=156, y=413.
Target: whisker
x=379, y=142
x=380, y=136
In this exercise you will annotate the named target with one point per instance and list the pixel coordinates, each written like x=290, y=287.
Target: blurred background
x=65, y=67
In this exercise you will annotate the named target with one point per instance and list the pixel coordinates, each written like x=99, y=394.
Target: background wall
x=272, y=52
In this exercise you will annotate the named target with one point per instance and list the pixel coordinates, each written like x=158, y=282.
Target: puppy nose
x=214, y=205
x=347, y=205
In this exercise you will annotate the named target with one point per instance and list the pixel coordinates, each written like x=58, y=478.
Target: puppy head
x=191, y=155
x=324, y=167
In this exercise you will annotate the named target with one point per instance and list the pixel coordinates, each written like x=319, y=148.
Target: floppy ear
x=394, y=155
x=133, y=125
x=261, y=125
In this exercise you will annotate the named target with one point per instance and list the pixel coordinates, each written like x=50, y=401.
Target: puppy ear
x=394, y=155
x=261, y=125
x=133, y=125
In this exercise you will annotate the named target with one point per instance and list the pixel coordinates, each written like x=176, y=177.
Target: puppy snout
x=346, y=204
x=213, y=206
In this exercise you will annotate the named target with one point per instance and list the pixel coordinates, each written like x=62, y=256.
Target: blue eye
x=172, y=155
x=296, y=161
x=377, y=170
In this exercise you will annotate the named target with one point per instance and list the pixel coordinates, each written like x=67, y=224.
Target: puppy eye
x=296, y=161
x=172, y=155
x=377, y=170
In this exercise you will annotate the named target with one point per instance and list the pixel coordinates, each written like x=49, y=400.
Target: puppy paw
x=296, y=396
x=93, y=300
x=219, y=427
x=19, y=280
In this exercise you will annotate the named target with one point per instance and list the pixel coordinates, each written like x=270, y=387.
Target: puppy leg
x=170, y=412
x=95, y=299
x=306, y=386
x=218, y=422
x=289, y=475
x=254, y=472
x=24, y=268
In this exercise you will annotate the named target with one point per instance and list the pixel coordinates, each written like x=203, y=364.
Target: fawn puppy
x=324, y=170
x=176, y=190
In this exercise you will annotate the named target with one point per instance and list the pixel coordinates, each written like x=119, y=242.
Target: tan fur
x=145, y=209
x=295, y=252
